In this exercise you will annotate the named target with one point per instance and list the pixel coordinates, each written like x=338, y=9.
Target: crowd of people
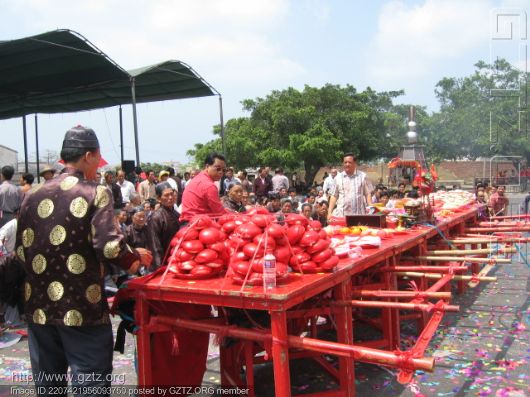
x=149, y=207
x=495, y=198
x=143, y=201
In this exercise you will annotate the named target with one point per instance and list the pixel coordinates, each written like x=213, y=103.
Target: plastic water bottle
x=269, y=271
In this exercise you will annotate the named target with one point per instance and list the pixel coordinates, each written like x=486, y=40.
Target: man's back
x=65, y=232
x=279, y=181
x=329, y=182
x=127, y=190
x=201, y=197
x=146, y=189
x=10, y=200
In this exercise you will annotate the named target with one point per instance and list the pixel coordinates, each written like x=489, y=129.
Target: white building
x=8, y=156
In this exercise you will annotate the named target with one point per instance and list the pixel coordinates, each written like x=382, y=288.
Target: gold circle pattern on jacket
x=55, y=291
x=102, y=196
x=79, y=207
x=27, y=291
x=39, y=317
x=93, y=293
x=27, y=237
x=45, y=208
x=73, y=318
x=20, y=253
x=76, y=264
x=39, y=264
x=111, y=249
x=68, y=182
x=57, y=235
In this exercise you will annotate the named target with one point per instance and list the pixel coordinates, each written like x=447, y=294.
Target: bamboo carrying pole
x=517, y=235
x=401, y=294
x=459, y=259
x=526, y=223
x=511, y=216
x=483, y=272
x=508, y=250
x=364, y=354
x=398, y=305
x=497, y=229
x=489, y=239
x=454, y=276
x=436, y=269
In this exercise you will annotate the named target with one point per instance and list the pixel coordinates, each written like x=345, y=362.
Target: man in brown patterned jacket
x=66, y=230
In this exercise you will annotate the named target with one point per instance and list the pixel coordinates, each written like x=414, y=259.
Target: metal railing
x=514, y=184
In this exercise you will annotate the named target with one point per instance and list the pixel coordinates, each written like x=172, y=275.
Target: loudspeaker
x=127, y=166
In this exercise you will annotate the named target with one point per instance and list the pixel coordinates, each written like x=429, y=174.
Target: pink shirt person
x=201, y=196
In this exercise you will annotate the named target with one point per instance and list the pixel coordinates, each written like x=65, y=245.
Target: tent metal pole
x=25, y=144
x=135, y=121
x=121, y=136
x=222, y=124
x=37, y=146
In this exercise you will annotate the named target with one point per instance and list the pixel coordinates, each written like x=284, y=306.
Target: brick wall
x=447, y=171
x=451, y=170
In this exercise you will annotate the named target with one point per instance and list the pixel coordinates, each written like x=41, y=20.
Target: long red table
x=158, y=288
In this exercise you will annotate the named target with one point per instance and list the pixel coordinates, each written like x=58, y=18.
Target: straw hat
x=47, y=168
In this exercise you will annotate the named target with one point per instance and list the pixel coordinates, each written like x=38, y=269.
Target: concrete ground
x=481, y=351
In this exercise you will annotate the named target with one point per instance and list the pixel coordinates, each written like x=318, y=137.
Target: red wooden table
x=297, y=289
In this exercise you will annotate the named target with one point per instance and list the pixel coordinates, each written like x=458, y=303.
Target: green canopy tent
x=61, y=71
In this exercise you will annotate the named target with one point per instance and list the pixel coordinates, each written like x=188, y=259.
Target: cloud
x=219, y=15
x=231, y=41
x=318, y=9
x=412, y=40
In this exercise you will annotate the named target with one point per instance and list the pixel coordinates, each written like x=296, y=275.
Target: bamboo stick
x=472, y=235
x=472, y=251
x=497, y=229
x=483, y=272
x=516, y=235
x=437, y=276
x=397, y=305
x=459, y=259
x=489, y=239
x=503, y=224
x=436, y=269
x=511, y=216
x=401, y=294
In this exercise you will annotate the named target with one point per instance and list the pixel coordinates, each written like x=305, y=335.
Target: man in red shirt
x=201, y=196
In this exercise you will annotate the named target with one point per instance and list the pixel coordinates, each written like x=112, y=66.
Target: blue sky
x=246, y=48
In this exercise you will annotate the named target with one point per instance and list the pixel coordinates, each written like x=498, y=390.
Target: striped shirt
x=351, y=191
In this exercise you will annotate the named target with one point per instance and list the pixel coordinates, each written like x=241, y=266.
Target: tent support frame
x=37, y=146
x=25, y=132
x=135, y=121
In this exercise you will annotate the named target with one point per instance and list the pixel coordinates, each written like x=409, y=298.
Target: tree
x=481, y=114
x=309, y=128
x=200, y=151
